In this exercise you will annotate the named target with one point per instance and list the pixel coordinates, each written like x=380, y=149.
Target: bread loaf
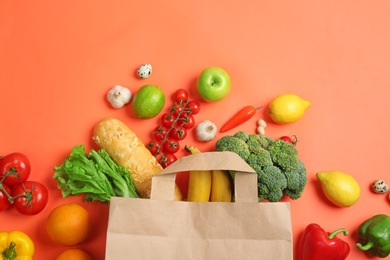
x=128, y=151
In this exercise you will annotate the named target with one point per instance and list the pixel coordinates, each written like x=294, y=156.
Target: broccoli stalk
x=279, y=170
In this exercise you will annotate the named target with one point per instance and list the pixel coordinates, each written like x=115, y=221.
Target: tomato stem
x=27, y=194
x=11, y=171
x=2, y=189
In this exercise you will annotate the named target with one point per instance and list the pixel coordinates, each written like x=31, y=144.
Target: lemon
x=148, y=101
x=287, y=108
x=339, y=187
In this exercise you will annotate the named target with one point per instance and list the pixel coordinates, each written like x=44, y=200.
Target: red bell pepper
x=318, y=244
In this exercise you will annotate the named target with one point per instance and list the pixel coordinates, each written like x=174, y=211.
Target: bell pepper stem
x=9, y=252
x=338, y=231
x=366, y=247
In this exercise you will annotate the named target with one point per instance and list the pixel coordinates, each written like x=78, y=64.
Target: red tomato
x=166, y=159
x=171, y=146
x=187, y=121
x=17, y=163
x=159, y=132
x=168, y=119
x=180, y=95
x=289, y=139
x=181, y=181
x=177, y=109
x=286, y=139
x=4, y=202
x=30, y=197
x=178, y=133
x=193, y=107
x=154, y=146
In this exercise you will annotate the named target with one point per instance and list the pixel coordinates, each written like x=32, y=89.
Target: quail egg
x=380, y=186
x=144, y=71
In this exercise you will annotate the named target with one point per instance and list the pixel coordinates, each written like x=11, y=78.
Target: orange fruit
x=68, y=224
x=74, y=254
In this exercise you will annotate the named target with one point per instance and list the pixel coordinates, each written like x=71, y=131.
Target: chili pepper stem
x=338, y=231
x=366, y=247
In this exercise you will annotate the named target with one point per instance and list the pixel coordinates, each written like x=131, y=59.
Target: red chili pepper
x=240, y=117
x=318, y=244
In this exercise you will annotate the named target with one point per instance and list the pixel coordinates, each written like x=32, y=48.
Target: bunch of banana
x=214, y=185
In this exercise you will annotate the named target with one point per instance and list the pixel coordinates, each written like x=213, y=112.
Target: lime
x=148, y=101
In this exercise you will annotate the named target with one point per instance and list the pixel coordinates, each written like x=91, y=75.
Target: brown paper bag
x=160, y=228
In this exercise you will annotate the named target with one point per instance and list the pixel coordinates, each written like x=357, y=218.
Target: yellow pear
x=339, y=187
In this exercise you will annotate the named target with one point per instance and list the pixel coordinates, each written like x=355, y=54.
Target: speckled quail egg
x=380, y=186
x=144, y=71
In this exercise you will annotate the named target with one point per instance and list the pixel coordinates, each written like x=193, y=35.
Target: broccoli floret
x=270, y=141
x=254, y=141
x=274, y=179
x=275, y=195
x=260, y=157
x=279, y=171
x=296, y=181
x=242, y=135
x=284, y=155
x=233, y=144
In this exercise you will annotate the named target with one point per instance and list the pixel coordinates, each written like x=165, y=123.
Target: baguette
x=128, y=151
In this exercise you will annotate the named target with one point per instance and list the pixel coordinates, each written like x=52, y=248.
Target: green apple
x=213, y=84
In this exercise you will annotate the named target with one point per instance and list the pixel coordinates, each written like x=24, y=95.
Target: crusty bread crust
x=128, y=151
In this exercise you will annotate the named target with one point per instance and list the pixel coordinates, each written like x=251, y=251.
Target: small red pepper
x=240, y=117
x=318, y=244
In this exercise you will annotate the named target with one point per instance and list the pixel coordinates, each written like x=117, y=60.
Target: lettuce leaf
x=95, y=175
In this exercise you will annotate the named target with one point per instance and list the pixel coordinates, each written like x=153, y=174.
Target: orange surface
x=59, y=58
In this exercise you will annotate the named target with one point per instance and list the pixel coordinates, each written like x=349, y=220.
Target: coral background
x=59, y=58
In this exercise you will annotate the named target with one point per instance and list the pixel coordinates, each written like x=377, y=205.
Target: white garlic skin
x=206, y=131
x=118, y=96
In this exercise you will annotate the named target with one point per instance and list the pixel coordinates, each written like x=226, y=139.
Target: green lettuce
x=94, y=175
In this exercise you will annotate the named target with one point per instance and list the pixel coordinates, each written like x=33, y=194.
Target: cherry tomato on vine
x=4, y=202
x=166, y=159
x=168, y=119
x=31, y=197
x=177, y=109
x=186, y=121
x=180, y=95
x=171, y=146
x=18, y=164
x=159, y=132
x=178, y=133
x=193, y=106
x=154, y=146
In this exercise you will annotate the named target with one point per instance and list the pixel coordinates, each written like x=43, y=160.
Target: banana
x=199, y=184
x=221, y=186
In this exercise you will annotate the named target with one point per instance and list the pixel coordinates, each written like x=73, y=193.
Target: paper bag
x=160, y=228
